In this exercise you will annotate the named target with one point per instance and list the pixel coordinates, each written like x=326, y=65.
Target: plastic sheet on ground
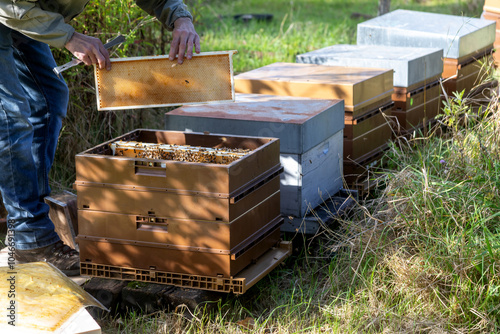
x=44, y=298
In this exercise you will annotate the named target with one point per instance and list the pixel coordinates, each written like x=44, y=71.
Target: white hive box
x=310, y=133
x=412, y=66
x=458, y=36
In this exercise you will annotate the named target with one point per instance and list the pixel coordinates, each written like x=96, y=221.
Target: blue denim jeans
x=33, y=103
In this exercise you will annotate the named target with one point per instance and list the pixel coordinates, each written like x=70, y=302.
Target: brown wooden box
x=406, y=99
x=452, y=65
x=98, y=166
x=488, y=15
x=419, y=105
x=468, y=76
x=356, y=170
x=148, y=201
x=178, y=233
x=496, y=54
x=362, y=89
x=157, y=257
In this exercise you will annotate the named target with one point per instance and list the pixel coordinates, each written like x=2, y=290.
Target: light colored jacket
x=47, y=20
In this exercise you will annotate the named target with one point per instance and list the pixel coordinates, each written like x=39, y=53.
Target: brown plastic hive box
x=493, y=13
x=145, y=82
x=451, y=66
x=467, y=72
x=416, y=108
x=362, y=89
x=237, y=285
x=487, y=15
x=162, y=202
x=496, y=54
x=367, y=133
x=406, y=99
x=496, y=45
x=468, y=76
x=151, y=221
x=210, y=236
x=165, y=258
x=175, y=189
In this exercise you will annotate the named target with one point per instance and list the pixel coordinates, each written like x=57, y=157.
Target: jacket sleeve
x=166, y=11
x=30, y=20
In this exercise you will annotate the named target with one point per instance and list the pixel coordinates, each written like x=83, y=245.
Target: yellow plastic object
x=44, y=298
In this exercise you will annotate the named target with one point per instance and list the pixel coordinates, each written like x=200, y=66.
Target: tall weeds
x=424, y=255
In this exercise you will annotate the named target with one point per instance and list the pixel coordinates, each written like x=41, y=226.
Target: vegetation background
x=420, y=256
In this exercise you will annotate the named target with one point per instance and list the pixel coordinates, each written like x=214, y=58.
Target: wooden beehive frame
x=155, y=81
x=177, y=152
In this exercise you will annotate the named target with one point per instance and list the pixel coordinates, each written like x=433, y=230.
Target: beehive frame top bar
x=155, y=81
x=458, y=36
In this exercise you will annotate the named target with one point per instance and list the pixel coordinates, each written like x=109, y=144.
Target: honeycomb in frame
x=156, y=81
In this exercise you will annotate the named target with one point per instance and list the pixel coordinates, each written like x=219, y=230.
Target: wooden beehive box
x=205, y=218
x=468, y=76
x=362, y=89
x=463, y=39
x=310, y=134
x=415, y=109
x=174, y=258
x=416, y=74
x=492, y=12
x=367, y=133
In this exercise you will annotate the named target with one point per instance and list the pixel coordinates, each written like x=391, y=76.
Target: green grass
x=420, y=256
